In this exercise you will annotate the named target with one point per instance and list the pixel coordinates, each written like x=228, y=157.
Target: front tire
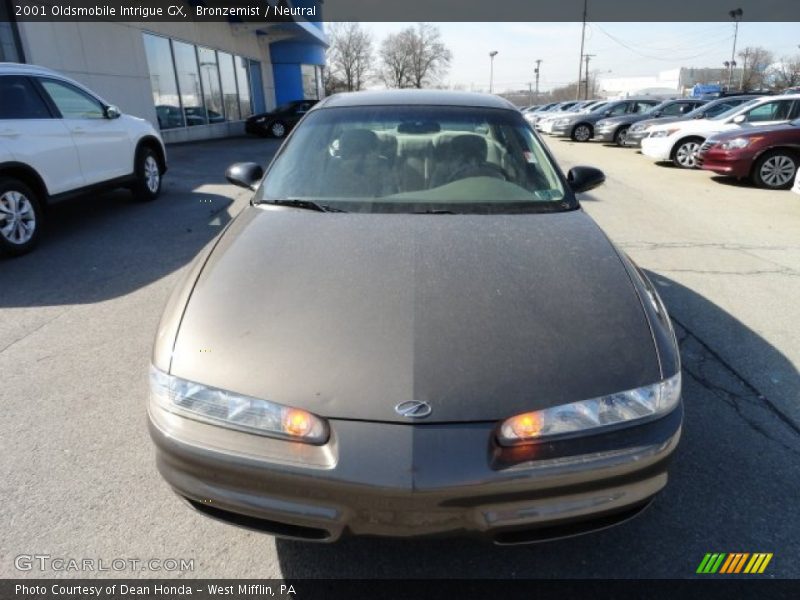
x=683, y=155
x=621, y=136
x=147, y=172
x=582, y=132
x=20, y=217
x=775, y=170
x=278, y=129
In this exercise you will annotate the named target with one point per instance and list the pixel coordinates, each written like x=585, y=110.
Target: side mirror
x=606, y=113
x=657, y=113
x=583, y=179
x=246, y=174
x=739, y=119
x=112, y=112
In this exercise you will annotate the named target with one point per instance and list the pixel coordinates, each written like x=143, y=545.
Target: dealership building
x=193, y=80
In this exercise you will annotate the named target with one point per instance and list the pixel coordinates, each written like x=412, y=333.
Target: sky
x=621, y=49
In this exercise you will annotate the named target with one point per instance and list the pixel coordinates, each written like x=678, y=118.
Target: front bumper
x=634, y=138
x=414, y=480
x=724, y=163
x=563, y=129
x=657, y=148
x=605, y=134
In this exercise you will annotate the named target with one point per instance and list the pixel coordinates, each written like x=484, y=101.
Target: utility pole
x=530, y=93
x=492, y=54
x=538, y=62
x=586, y=89
x=736, y=15
x=580, y=60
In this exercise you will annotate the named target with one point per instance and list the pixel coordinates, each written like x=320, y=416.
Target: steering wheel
x=483, y=170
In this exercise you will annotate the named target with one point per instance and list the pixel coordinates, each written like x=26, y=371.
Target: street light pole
x=538, y=62
x=580, y=60
x=492, y=54
x=736, y=15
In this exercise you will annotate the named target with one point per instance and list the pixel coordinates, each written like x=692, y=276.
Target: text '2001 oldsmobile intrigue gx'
x=414, y=329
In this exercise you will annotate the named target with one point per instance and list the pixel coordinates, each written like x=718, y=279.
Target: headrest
x=468, y=147
x=357, y=142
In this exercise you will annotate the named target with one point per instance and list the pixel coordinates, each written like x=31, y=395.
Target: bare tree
x=786, y=73
x=414, y=57
x=754, y=62
x=429, y=57
x=350, y=57
x=395, y=66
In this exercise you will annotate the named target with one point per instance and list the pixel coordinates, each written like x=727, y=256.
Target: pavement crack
x=784, y=271
x=732, y=398
x=32, y=331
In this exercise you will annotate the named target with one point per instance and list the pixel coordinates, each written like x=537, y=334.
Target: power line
x=670, y=59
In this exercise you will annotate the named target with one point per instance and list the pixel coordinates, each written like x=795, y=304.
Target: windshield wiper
x=434, y=211
x=298, y=203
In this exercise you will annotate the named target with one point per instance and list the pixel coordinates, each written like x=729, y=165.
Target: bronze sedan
x=414, y=329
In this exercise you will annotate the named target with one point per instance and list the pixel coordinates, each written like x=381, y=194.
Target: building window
x=189, y=83
x=230, y=97
x=162, y=81
x=244, y=87
x=309, y=81
x=212, y=90
x=193, y=85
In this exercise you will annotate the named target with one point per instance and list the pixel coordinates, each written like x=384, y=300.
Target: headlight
x=562, y=122
x=662, y=133
x=637, y=127
x=735, y=143
x=586, y=416
x=235, y=411
x=602, y=123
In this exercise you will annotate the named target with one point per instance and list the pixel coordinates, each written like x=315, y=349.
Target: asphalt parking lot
x=77, y=318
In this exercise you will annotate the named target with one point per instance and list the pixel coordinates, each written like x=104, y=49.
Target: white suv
x=58, y=139
x=680, y=140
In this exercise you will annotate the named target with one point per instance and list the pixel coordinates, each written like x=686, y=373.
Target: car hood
x=347, y=315
x=766, y=129
x=659, y=121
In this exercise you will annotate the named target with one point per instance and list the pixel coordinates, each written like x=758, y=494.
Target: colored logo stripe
x=734, y=562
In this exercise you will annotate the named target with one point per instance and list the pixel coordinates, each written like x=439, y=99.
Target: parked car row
x=745, y=137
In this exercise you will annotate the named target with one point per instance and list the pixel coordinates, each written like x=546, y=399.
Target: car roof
x=415, y=97
x=8, y=68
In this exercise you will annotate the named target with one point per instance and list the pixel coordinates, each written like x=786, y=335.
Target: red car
x=769, y=155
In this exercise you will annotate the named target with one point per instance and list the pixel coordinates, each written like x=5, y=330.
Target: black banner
x=272, y=11
x=322, y=589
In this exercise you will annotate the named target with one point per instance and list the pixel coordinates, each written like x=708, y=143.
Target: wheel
x=582, y=132
x=621, y=135
x=148, y=176
x=277, y=129
x=20, y=217
x=683, y=155
x=775, y=170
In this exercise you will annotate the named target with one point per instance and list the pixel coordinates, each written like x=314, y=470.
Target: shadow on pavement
x=102, y=246
x=733, y=488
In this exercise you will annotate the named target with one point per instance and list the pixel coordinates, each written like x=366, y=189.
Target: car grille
x=705, y=147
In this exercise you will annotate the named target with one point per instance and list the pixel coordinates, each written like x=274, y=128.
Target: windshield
x=416, y=159
x=597, y=107
x=735, y=109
